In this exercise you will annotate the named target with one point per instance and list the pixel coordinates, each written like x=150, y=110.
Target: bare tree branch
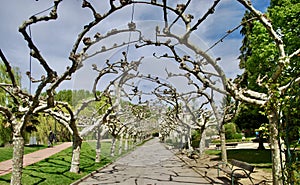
x=8, y=69
x=211, y=10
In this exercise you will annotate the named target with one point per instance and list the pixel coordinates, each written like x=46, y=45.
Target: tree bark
x=182, y=137
x=202, y=142
x=121, y=144
x=18, y=152
x=276, y=165
x=189, y=135
x=113, y=146
x=126, y=142
x=77, y=141
x=98, y=146
x=223, y=144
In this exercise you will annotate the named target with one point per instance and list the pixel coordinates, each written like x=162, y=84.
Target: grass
x=233, y=140
x=258, y=158
x=6, y=152
x=213, y=152
x=55, y=169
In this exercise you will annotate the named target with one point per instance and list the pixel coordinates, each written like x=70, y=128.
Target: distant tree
x=231, y=131
x=73, y=97
x=249, y=118
x=5, y=127
x=64, y=95
x=5, y=132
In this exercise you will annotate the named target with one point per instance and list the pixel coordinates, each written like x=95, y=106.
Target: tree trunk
x=189, y=145
x=202, y=142
x=98, y=154
x=17, y=160
x=113, y=146
x=181, y=140
x=223, y=144
x=276, y=165
x=76, y=154
x=126, y=142
x=98, y=146
x=121, y=144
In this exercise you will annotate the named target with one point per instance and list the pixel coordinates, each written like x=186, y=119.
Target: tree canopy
x=260, y=58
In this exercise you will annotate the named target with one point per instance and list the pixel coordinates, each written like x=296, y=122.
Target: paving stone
x=150, y=164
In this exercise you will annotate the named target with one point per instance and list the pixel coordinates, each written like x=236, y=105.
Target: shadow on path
x=149, y=164
x=6, y=166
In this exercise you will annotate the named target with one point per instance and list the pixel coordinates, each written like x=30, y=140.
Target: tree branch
x=9, y=69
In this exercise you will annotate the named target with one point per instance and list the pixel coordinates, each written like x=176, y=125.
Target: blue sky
x=55, y=38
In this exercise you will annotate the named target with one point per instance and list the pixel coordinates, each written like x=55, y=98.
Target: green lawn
x=6, y=152
x=55, y=170
x=259, y=158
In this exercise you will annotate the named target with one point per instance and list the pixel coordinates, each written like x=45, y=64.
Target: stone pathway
x=150, y=164
x=6, y=166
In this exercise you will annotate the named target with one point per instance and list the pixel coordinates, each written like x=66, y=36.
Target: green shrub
x=195, y=138
x=195, y=143
x=237, y=136
x=155, y=134
x=231, y=131
x=5, y=134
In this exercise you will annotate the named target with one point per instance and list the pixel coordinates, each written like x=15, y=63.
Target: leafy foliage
x=5, y=128
x=231, y=131
x=73, y=97
x=258, y=53
x=5, y=132
x=259, y=58
x=250, y=117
